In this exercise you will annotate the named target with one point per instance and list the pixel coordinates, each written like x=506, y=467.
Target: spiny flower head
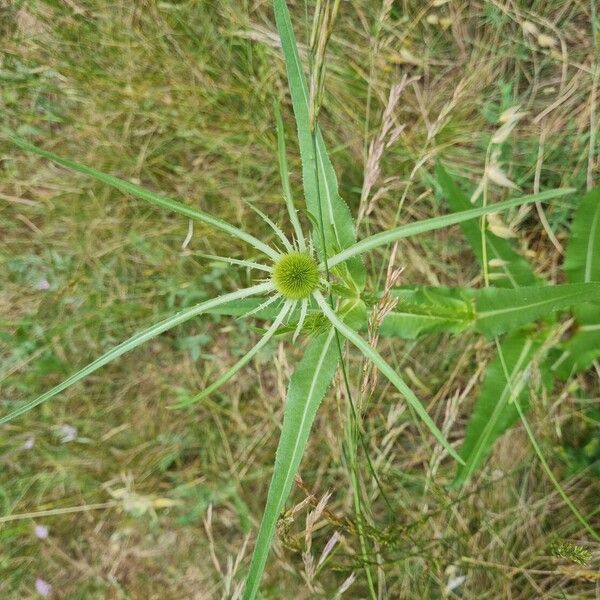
x=295, y=275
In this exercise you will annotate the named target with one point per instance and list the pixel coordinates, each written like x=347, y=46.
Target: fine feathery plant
x=315, y=285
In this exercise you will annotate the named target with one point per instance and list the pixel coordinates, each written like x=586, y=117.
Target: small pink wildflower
x=42, y=284
x=41, y=532
x=43, y=588
x=67, y=433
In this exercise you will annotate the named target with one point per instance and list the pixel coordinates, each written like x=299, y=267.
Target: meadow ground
x=144, y=502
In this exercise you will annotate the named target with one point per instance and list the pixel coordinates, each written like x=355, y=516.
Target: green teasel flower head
x=295, y=275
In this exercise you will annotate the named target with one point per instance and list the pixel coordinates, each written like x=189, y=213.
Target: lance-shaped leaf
x=494, y=411
x=426, y=310
x=338, y=226
x=162, y=201
x=582, y=263
x=506, y=267
x=376, y=358
x=387, y=237
x=135, y=341
x=578, y=353
x=307, y=387
x=502, y=310
x=582, y=258
x=490, y=311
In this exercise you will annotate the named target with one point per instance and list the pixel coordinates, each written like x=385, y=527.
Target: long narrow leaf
x=240, y=363
x=582, y=263
x=494, y=411
x=136, y=340
x=501, y=310
x=387, y=237
x=338, y=226
x=492, y=415
x=140, y=192
x=582, y=258
x=308, y=385
x=424, y=310
x=285, y=179
x=510, y=269
x=376, y=358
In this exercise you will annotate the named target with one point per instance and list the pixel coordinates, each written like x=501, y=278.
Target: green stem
x=353, y=465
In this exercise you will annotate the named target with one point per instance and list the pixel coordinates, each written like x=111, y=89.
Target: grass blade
x=135, y=190
x=374, y=356
x=404, y=231
x=135, y=341
x=308, y=385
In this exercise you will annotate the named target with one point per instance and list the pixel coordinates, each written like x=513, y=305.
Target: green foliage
x=577, y=554
x=509, y=269
x=499, y=311
x=582, y=258
x=427, y=310
x=583, y=348
x=502, y=310
x=308, y=384
x=418, y=227
x=517, y=299
x=582, y=263
x=495, y=410
x=131, y=343
x=135, y=190
x=338, y=228
x=489, y=311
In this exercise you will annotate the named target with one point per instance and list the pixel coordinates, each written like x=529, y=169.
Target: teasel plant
x=314, y=285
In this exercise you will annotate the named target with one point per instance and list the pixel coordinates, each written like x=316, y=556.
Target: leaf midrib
x=521, y=308
x=498, y=408
x=591, y=242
